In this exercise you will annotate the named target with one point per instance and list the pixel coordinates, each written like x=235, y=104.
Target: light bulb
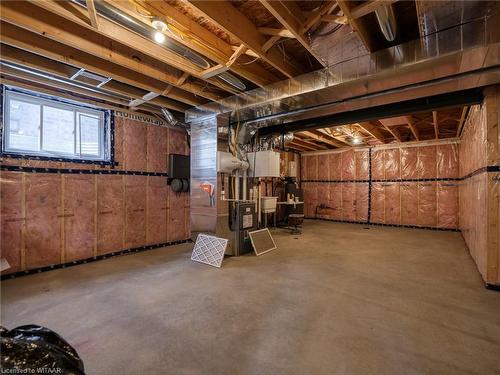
x=356, y=140
x=159, y=37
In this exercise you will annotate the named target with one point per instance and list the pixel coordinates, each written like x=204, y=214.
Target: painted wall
x=479, y=189
x=52, y=218
x=411, y=185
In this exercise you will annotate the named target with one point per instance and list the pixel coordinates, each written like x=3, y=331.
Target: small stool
x=295, y=220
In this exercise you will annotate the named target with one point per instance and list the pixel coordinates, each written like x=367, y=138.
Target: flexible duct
x=386, y=21
x=272, y=141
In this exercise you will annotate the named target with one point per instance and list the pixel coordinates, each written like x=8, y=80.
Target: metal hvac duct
x=115, y=15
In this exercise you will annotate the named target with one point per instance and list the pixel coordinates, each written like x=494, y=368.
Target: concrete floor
x=338, y=299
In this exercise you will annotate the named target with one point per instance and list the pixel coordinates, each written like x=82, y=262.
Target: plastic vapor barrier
x=406, y=185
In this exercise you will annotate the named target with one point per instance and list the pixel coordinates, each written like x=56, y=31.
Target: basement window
x=50, y=127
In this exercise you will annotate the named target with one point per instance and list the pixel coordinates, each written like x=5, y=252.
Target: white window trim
x=56, y=103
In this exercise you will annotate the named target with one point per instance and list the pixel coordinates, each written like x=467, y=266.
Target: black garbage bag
x=38, y=350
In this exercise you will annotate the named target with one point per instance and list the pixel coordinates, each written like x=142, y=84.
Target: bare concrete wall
x=51, y=218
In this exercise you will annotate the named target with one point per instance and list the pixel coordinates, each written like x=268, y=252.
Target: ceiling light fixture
x=160, y=28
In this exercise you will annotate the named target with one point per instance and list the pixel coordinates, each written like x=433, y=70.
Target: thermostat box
x=264, y=164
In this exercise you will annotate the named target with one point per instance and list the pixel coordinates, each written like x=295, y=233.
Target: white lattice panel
x=209, y=250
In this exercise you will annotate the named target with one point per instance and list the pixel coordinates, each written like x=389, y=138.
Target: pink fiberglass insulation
x=176, y=225
x=378, y=167
x=392, y=164
x=335, y=201
x=58, y=223
x=348, y=201
x=447, y=161
x=312, y=168
x=392, y=203
x=475, y=192
x=447, y=204
x=348, y=166
x=157, y=143
x=361, y=201
x=323, y=167
x=79, y=216
x=157, y=204
x=426, y=162
x=135, y=209
x=409, y=203
x=12, y=218
x=43, y=220
x=335, y=164
x=378, y=203
x=409, y=162
x=110, y=213
x=135, y=145
x=362, y=165
x=427, y=204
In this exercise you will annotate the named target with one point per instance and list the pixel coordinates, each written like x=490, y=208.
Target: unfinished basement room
x=250, y=187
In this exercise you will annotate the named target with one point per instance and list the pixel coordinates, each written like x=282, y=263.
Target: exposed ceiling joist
x=92, y=14
x=67, y=20
x=295, y=146
x=341, y=20
x=362, y=31
x=368, y=7
x=303, y=140
x=326, y=8
x=45, y=65
x=198, y=38
x=289, y=20
x=305, y=144
x=328, y=133
x=413, y=127
x=394, y=132
x=240, y=27
x=123, y=68
x=314, y=134
x=373, y=130
x=462, y=120
x=276, y=32
x=435, y=123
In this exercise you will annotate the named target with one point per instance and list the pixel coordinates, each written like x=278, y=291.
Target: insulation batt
x=52, y=218
x=420, y=203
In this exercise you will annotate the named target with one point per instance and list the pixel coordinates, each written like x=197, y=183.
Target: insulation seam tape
x=93, y=259
x=15, y=168
x=386, y=225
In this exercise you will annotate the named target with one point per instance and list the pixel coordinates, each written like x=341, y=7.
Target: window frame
x=106, y=128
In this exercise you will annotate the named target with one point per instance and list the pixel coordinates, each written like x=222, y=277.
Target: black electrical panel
x=179, y=166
